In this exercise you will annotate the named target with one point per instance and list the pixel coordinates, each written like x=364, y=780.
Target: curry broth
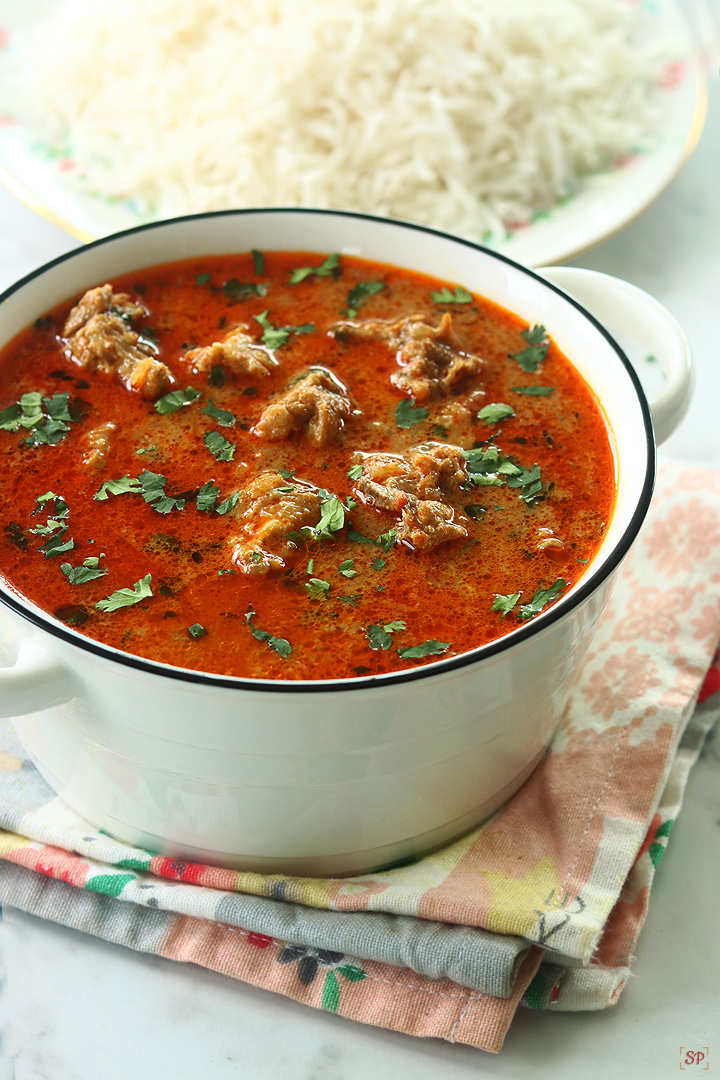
x=443, y=595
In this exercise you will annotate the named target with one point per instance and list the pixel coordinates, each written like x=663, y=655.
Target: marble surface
x=75, y=1008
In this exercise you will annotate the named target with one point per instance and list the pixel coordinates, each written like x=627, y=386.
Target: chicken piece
x=97, y=335
x=238, y=351
x=430, y=362
x=317, y=405
x=97, y=444
x=427, y=523
x=427, y=471
x=269, y=508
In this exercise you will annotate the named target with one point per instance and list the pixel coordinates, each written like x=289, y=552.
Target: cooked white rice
x=463, y=114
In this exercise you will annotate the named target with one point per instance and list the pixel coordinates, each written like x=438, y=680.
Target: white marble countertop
x=76, y=1008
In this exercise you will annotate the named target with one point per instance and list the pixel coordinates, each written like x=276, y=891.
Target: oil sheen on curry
x=290, y=466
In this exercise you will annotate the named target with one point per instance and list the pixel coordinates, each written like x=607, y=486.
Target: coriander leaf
x=10, y=418
x=78, y=575
x=584, y=560
x=152, y=489
x=196, y=630
x=475, y=511
x=126, y=597
x=223, y=416
x=350, y=503
x=218, y=446
x=377, y=637
x=202, y=279
x=287, y=474
x=541, y=598
x=310, y=566
x=55, y=544
x=222, y=572
x=50, y=432
x=207, y=496
x=491, y=414
x=357, y=537
x=126, y=485
x=217, y=375
x=393, y=627
x=317, y=588
x=332, y=518
x=165, y=504
x=427, y=648
x=146, y=450
x=355, y=472
x=240, y=290
x=273, y=338
x=531, y=357
x=279, y=645
x=530, y=482
x=258, y=262
x=377, y=564
x=535, y=391
x=360, y=293
x=56, y=407
x=408, y=414
x=351, y=599
x=326, y=269
x=176, y=400
x=439, y=431
x=447, y=296
x=227, y=504
x=346, y=568
x=387, y=539
x=504, y=604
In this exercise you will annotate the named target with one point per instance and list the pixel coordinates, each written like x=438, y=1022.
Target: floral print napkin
x=542, y=903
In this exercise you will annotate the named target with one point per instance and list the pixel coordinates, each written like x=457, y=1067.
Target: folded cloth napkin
x=542, y=903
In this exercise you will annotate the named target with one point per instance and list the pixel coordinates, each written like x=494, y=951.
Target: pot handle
x=622, y=306
x=36, y=681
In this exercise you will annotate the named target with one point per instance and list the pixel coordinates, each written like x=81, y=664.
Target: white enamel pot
x=331, y=777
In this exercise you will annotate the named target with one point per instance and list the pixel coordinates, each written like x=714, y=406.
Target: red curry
x=284, y=466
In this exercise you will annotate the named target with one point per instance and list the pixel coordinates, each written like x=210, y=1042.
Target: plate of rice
x=536, y=127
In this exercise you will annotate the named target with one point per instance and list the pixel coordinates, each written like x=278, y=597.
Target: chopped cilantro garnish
x=241, y=290
x=332, y=519
x=310, y=566
x=207, y=496
x=475, y=511
x=439, y=431
x=126, y=485
x=227, y=504
x=447, y=296
x=542, y=598
x=584, y=560
x=530, y=482
x=360, y=293
x=221, y=573
x=126, y=597
x=326, y=268
x=505, y=604
x=47, y=419
x=353, y=599
x=55, y=545
x=377, y=564
x=346, y=568
x=387, y=539
x=202, y=279
x=146, y=450
x=217, y=375
x=534, y=391
x=491, y=414
x=176, y=400
x=531, y=357
x=380, y=637
x=408, y=414
x=196, y=630
x=427, y=648
x=279, y=645
x=218, y=446
x=357, y=537
x=355, y=471
x=317, y=588
x=258, y=262
x=287, y=474
x=89, y=571
x=223, y=416
x=152, y=489
x=274, y=337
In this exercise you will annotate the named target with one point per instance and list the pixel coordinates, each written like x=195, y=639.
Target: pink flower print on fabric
x=622, y=680
x=668, y=606
x=676, y=542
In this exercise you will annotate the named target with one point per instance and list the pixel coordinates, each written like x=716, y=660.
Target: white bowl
x=336, y=776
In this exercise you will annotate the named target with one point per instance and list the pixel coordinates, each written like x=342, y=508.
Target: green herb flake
x=55, y=545
x=427, y=648
x=491, y=414
x=310, y=566
x=346, y=568
x=377, y=637
x=357, y=537
x=317, y=588
x=207, y=496
x=408, y=414
x=202, y=279
x=287, y=474
x=196, y=630
x=258, y=262
x=583, y=561
x=223, y=416
x=274, y=337
x=505, y=604
x=529, y=480
x=221, y=573
x=475, y=511
x=531, y=357
x=360, y=293
x=448, y=296
x=353, y=599
x=439, y=431
x=89, y=571
x=218, y=446
x=176, y=400
x=327, y=268
x=279, y=645
x=47, y=419
x=126, y=485
x=217, y=375
x=241, y=290
x=355, y=471
x=542, y=598
x=534, y=391
x=378, y=564
x=228, y=504
x=127, y=597
x=387, y=539
x=146, y=450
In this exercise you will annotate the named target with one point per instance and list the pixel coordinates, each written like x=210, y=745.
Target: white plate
x=41, y=176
